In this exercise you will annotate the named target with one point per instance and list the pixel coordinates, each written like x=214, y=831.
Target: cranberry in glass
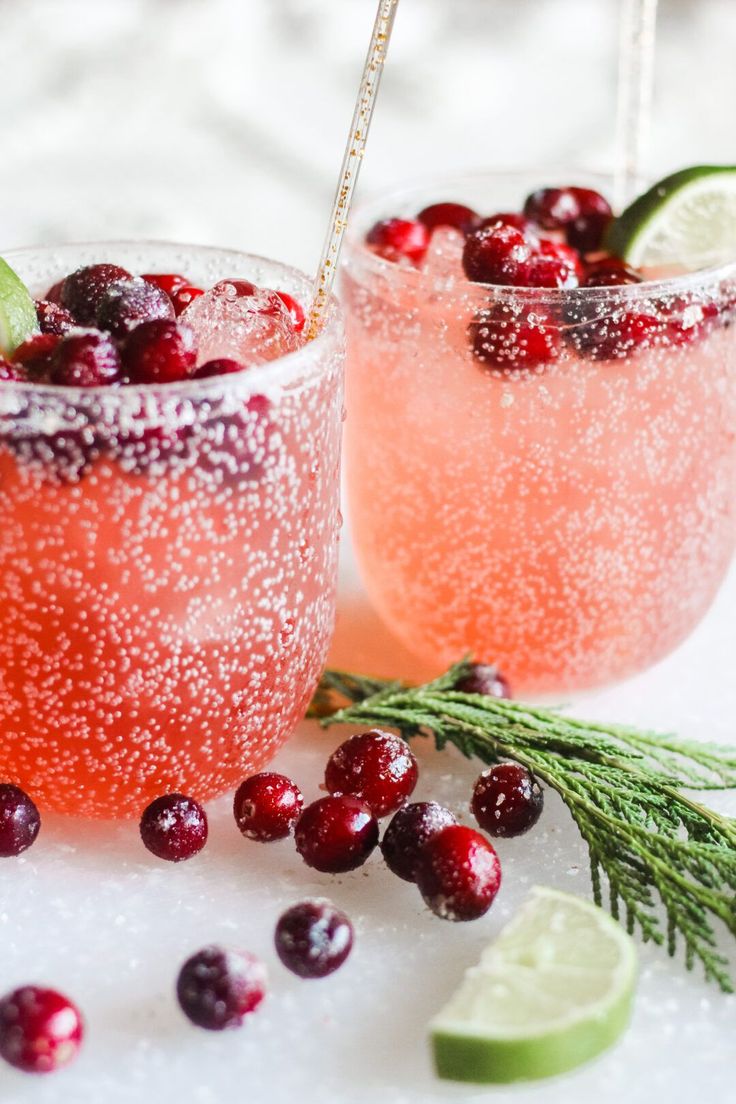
x=585, y=231
x=484, y=678
x=458, y=873
x=40, y=1029
x=510, y=341
x=610, y=272
x=399, y=239
x=613, y=337
x=408, y=832
x=52, y=318
x=554, y=265
x=12, y=373
x=552, y=208
x=85, y=358
x=507, y=800
x=127, y=304
x=160, y=351
x=497, y=255
x=222, y=366
x=184, y=296
x=267, y=806
x=507, y=218
x=35, y=354
x=455, y=215
x=295, y=309
x=377, y=767
x=168, y=282
x=20, y=821
x=218, y=988
x=82, y=291
x=313, y=938
x=336, y=834
x=174, y=827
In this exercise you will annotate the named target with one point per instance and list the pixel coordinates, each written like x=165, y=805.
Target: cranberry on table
x=52, y=318
x=507, y=800
x=222, y=366
x=515, y=341
x=82, y=291
x=20, y=821
x=40, y=1029
x=455, y=215
x=399, y=239
x=174, y=827
x=295, y=309
x=127, y=304
x=218, y=988
x=585, y=231
x=377, y=767
x=85, y=358
x=336, y=834
x=313, y=938
x=497, y=255
x=267, y=806
x=485, y=678
x=458, y=873
x=408, y=832
x=161, y=351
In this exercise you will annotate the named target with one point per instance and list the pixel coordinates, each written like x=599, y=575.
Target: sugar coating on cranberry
x=267, y=806
x=484, y=678
x=218, y=988
x=40, y=1029
x=85, y=358
x=12, y=373
x=160, y=351
x=336, y=834
x=507, y=800
x=507, y=340
x=20, y=821
x=408, y=832
x=458, y=873
x=508, y=218
x=53, y=318
x=127, y=304
x=498, y=254
x=313, y=938
x=82, y=291
x=398, y=239
x=174, y=827
x=377, y=767
x=455, y=215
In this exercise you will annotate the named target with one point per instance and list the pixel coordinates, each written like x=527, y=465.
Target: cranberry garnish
x=40, y=1029
x=19, y=820
x=218, y=988
x=507, y=800
x=687, y=320
x=458, y=873
x=610, y=272
x=613, y=337
x=222, y=366
x=554, y=265
x=484, y=678
x=161, y=351
x=169, y=282
x=83, y=290
x=12, y=373
x=186, y=295
x=407, y=834
x=267, y=806
x=377, y=767
x=85, y=358
x=497, y=255
x=313, y=938
x=455, y=215
x=53, y=295
x=174, y=827
x=52, y=318
x=552, y=208
x=35, y=354
x=336, y=834
x=585, y=231
x=126, y=305
x=298, y=318
x=514, y=342
x=399, y=239
x=508, y=218
x=241, y=444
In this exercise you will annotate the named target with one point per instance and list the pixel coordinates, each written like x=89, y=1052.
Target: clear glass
x=571, y=523
x=167, y=559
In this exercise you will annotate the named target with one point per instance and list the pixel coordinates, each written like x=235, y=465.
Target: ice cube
x=236, y=319
x=443, y=258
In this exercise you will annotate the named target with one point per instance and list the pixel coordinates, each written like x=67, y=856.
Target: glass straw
x=635, y=81
x=352, y=161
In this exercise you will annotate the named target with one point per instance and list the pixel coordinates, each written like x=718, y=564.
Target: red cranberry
x=313, y=938
x=53, y=295
x=585, y=231
x=458, y=873
x=184, y=296
x=554, y=265
x=497, y=255
x=12, y=373
x=19, y=820
x=407, y=834
x=83, y=290
x=514, y=342
x=298, y=317
x=610, y=272
x=40, y=1029
x=242, y=445
x=53, y=319
x=153, y=447
x=161, y=351
x=507, y=800
x=174, y=827
x=85, y=358
x=508, y=218
x=455, y=215
x=377, y=767
x=336, y=834
x=687, y=320
x=168, y=282
x=267, y=806
x=399, y=239
x=484, y=678
x=613, y=337
x=35, y=354
x=552, y=208
x=218, y=988
x=222, y=366
x=126, y=305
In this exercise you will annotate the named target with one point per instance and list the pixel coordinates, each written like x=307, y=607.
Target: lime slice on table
x=687, y=219
x=17, y=312
x=554, y=990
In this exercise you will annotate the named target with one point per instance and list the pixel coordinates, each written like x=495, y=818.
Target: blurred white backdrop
x=223, y=121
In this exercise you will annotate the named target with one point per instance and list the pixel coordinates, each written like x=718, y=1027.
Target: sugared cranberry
x=169, y=282
x=20, y=821
x=458, y=873
x=585, y=231
x=507, y=218
x=552, y=208
x=126, y=305
x=336, y=834
x=313, y=938
x=377, y=767
x=399, y=239
x=82, y=291
x=554, y=265
x=184, y=296
x=484, y=678
x=85, y=358
x=507, y=800
x=161, y=351
x=52, y=318
x=514, y=341
x=497, y=255
x=218, y=988
x=298, y=317
x=407, y=834
x=687, y=320
x=223, y=366
x=53, y=295
x=455, y=215
x=174, y=827
x=267, y=806
x=610, y=272
x=35, y=354
x=12, y=373
x=613, y=337
x=40, y=1029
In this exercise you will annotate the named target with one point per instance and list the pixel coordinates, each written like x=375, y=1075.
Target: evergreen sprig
x=625, y=788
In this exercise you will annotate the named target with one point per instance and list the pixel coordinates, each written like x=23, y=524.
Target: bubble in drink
x=238, y=320
x=443, y=258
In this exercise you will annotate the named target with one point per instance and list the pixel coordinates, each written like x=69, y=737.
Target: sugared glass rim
x=387, y=203
x=280, y=372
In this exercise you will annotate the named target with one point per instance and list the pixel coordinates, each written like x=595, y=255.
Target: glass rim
x=358, y=251
x=278, y=372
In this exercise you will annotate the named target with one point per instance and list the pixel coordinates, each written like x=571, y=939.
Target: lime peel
x=17, y=311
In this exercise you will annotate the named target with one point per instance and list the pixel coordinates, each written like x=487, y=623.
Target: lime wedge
x=554, y=990
x=686, y=219
x=17, y=312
